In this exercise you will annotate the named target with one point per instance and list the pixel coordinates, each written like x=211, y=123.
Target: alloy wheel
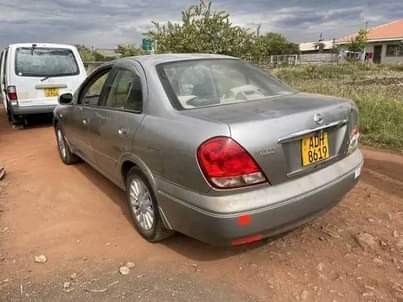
x=141, y=204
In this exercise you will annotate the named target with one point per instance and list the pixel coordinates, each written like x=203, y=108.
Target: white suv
x=33, y=75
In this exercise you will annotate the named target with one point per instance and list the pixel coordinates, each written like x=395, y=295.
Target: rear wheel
x=15, y=121
x=64, y=151
x=143, y=207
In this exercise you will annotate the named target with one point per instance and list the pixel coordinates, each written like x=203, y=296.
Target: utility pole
x=258, y=30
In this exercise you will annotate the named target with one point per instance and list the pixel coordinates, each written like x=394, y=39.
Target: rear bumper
x=23, y=110
x=286, y=206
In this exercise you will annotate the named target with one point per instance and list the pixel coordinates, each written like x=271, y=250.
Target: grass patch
x=376, y=89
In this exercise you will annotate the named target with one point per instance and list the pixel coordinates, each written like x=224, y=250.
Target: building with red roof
x=385, y=43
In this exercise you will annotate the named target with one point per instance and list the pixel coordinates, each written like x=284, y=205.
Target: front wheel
x=143, y=207
x=64, y=151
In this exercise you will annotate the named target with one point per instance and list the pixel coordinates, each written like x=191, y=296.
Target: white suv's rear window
x=45, y=62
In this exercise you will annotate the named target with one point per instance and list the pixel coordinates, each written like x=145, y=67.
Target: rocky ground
x=65, y=235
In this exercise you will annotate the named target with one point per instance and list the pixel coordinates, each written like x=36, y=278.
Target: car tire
x=15, y=121
x=143, y=207
x=64, y=150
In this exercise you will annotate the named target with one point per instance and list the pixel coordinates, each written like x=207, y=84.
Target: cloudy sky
x=106, y=23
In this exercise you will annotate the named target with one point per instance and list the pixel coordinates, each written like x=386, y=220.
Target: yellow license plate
x=314, y=148
x=49, y=92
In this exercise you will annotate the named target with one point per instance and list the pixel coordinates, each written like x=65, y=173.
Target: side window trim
x=107, y=87
x=107, y=90
x=91, y=81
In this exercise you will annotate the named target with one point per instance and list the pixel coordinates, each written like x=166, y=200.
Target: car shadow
x=33, y=122
x=113, y=192
x=203, y=252
x=36, y=121
x=186, y=246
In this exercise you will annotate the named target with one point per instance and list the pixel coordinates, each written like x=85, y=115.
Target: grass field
x=376, y=89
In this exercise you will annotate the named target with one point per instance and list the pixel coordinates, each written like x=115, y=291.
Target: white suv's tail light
x=12, y=95
x=226, y=164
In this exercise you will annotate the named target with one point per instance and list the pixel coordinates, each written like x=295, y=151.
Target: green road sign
x=147, y=44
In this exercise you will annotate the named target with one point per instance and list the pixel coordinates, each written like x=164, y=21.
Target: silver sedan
x=211, y=146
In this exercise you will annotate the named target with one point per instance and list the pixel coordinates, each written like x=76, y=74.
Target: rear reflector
x=246, y=240
x=12, y=95
x=244, y=219
x=226, y=164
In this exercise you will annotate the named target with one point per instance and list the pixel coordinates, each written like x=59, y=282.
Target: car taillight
x=12, y=95
x=354, y=138
x=226, y=164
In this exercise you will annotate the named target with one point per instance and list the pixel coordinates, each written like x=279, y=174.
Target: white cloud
x=105, y=23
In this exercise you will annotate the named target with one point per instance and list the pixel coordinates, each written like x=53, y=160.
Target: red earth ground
x=79, y=221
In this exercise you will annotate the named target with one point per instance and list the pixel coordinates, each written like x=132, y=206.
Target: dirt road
x=78, y=220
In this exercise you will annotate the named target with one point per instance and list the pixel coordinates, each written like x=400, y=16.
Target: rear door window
x=125, y=92
x=45, y=62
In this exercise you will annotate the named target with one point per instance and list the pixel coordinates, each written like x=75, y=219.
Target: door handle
x=123, y=132
x=85, y=122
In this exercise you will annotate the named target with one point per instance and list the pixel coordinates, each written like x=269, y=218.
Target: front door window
x=92, y=93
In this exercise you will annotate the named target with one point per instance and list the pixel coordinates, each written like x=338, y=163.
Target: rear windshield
x=215, y=82
x=45, y=62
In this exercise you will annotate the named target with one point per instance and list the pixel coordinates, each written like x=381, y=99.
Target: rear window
x=45, y=62
x=216, y=82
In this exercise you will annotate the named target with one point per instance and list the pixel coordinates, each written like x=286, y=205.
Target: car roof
x=165, y=58
x=153, y=60
x=50, y=45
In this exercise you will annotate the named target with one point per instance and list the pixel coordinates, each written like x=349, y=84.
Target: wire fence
x=296, y=59
x=277, y=60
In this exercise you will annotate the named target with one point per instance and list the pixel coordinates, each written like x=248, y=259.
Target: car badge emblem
x=318, y=118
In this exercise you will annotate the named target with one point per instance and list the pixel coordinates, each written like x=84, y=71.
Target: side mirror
x=65, y=98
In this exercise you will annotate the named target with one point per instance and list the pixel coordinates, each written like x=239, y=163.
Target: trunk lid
x=38, y=91
x=271, y=130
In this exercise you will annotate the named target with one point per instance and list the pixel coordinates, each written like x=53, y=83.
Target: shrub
x=376, y=89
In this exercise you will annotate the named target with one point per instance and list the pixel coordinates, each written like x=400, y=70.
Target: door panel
x=117, y=121
x=82, y=122
x=114, y=132
x=70, y=124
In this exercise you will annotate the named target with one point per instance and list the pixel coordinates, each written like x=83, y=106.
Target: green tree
x=89, y=55
x=202, y=30
x=359, y=42
x=272, y=44
x=86, y=54
x=129, y=50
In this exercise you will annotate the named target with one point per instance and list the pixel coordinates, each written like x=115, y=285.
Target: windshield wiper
x=44, y=78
